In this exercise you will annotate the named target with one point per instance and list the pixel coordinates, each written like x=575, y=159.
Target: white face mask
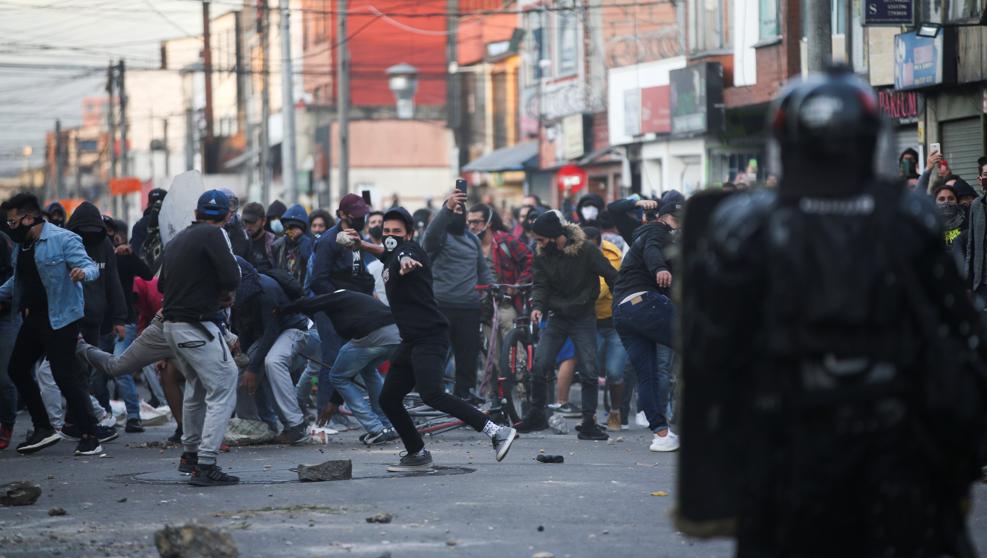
x=589, y=212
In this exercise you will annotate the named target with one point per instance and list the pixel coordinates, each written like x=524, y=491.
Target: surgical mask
x=376, y=232
x=277, y=227
x=357, y=223
x=391, y=242
x=589, y=212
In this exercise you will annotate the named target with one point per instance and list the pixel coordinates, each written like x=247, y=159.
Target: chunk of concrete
x=194, y=541
x=19, y=493
x=341, y=469
x=382, y=517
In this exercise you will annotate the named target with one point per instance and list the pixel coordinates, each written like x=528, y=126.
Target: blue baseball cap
x=213, y=203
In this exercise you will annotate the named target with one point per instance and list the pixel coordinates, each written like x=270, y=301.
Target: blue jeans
x=9, y=326
x=330, y=344
x=352, y=361
x=125, y=383
x=613, y=357
x=635, y=323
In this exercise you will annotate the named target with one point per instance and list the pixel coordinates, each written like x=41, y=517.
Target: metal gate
x=962, y=145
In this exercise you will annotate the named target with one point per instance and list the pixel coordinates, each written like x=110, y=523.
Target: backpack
x=288, y=283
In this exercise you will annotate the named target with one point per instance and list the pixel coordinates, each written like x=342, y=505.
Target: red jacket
x=148, y=301
x=511, y=258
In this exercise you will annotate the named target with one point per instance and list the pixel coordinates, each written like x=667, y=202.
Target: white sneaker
x=668, y=442
x=641, y=419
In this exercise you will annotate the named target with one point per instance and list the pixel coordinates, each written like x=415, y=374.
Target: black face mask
x=357, y=223
x=391, y=242
x=376, y=232
x=458, y=224
x=19, y=235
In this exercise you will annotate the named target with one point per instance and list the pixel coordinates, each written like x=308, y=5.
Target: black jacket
x=620, y=213
x=105, y=302
x=412, y=302
x=129, y=267
x=643, y=261
x=567, y=281
x=354, y=315
x=197, y=268
x=256, y=319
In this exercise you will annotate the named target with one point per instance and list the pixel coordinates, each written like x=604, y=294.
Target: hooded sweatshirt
x=458, y=265
x=590, y=201
x=644, y=260
x=104, y=299
x=292, y=255
x=567, y=280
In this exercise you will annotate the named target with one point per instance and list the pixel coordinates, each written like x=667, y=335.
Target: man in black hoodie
x=104, y=296
x=589, y=209
x=420, y=359
x=641, y=315
x=145, y=240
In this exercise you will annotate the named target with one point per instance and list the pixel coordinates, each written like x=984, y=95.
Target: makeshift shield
x=178, y=207
x=707, y=475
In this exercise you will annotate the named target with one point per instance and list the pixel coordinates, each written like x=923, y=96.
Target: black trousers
x=37, y=339
x=419, y=364
x=464, y=334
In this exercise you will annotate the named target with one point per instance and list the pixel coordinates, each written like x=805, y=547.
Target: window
x=960, y=10
x=566, y=40
x=769, y=28
x=536, y=48
x=709, y=28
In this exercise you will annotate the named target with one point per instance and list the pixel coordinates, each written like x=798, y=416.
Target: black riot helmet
x=827, y=128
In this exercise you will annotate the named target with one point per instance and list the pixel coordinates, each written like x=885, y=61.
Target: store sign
x=656, y=113
x=572, y=136
x=571, y=179
x=922, y=62
x=889, y=12
x=697, y=99
x=904, y=107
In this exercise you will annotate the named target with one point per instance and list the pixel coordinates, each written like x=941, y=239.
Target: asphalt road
x=598, y=503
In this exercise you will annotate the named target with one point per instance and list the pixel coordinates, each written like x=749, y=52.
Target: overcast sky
x=39, y=37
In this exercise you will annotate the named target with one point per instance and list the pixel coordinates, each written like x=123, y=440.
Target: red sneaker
x=6, y=432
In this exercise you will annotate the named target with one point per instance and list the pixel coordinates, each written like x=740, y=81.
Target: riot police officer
x=830, y=352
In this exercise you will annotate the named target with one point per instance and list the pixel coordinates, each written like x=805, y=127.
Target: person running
x=419, y=360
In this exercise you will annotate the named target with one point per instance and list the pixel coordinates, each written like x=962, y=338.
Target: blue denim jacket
x=56, y=252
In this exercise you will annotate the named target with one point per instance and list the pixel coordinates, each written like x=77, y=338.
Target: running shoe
x=6, y=433
x=668, y=442
x=71, y=432
x=211, y=475
x=568, y=410
x=176, y=438
x=187, y=462
x=591, y=431
x=38, y=440
x=106, y=433
x=88, y=445
x=293, y=435
x=420, y=462
x=532, y=423
x=134, y=425
x=381, y=437
x=502, y=441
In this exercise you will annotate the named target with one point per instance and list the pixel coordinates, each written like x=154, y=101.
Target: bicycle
x=516, y=356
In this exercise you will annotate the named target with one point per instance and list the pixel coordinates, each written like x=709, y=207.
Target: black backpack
x=288, y=283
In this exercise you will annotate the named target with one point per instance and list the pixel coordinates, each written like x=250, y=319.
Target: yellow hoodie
x=604, y=303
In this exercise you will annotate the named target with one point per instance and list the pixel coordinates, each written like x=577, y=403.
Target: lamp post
x=402, y=79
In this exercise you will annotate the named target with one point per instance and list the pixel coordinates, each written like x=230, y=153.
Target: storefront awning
x=515, y=158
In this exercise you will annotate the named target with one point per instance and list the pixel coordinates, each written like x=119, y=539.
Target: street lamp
x=403, y=82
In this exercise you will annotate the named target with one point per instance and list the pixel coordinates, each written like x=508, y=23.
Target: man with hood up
x=104, y=300
x=589, y=209
x=292, y=251
x=55, y=214
x=234, y=226
x=273, y=222
x=144, y=239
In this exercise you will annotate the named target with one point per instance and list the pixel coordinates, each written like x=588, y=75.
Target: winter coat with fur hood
x=567, y=280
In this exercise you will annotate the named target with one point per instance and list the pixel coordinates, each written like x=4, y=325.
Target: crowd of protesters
x=282, y=317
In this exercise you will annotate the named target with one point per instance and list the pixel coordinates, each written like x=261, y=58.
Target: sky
x=55, y=52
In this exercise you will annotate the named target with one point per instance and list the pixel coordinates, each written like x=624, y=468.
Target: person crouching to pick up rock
x=420, y=359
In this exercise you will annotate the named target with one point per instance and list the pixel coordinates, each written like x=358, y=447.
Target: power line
x=165, y=17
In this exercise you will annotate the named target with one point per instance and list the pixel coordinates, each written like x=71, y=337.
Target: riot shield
x=707, y=476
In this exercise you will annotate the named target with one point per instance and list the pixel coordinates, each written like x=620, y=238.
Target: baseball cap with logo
x=213, y=203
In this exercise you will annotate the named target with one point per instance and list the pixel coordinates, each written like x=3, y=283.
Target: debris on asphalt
x=382, y=517
x=659, y=493
x=541, y=528
x=550, y=459
x=19, y=493
x=194, y=541
x=337, y=469
x=543, y=555
x=57, y=511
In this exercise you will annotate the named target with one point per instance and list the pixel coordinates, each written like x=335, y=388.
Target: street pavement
x=598, y=503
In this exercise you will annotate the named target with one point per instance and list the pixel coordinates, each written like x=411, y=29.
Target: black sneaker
x=106, y=433
x=420, y=462
x=502, y=441
x=376, y=438
x=134, y=425
x=592, y=431
x=71, y=432
x=176, y=438
x=88, y=445
x=211, y=475
x=38, y=440
x=293, y=435
x=532, y=423
x=187, y=463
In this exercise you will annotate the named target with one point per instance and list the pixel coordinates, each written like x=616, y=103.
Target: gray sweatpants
x=149, y=347
x=210, y=385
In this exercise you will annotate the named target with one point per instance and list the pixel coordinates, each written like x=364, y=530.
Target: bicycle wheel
x=515, y=364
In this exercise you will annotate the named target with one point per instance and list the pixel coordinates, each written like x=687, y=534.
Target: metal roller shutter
x=962, y=144
x=906, y=137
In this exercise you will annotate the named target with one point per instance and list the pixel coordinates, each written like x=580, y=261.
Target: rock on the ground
x=382, y=517
x=19, y=493
x=543, y=555
x=57, y=511
x=341, y=469
x=194, y=541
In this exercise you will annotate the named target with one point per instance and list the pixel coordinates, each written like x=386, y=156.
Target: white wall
x=673, y=165
x=627, y=78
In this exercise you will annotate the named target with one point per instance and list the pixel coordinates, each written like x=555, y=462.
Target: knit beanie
x=549, y=225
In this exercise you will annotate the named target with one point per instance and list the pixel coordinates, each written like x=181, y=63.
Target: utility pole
x=111, y=125
x=819, y=35
x=59, y=170
x=343, y=98
x=124, y=152
x=263, y=22
x=207, y=144
x=849, y=32
x=289, y=168
x=454, y=112
x=167, y=148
